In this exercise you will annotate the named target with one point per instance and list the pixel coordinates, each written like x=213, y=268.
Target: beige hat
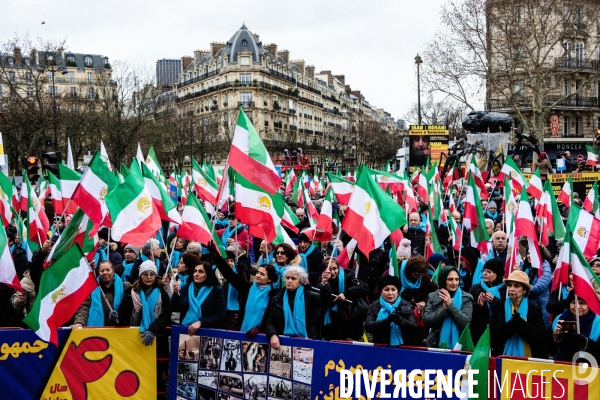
x=519, y=277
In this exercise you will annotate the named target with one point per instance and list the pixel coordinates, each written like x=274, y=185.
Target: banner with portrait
x=427, y=142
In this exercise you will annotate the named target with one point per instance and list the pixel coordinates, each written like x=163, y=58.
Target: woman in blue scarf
x=293, y=311
x=253, y=298
x=516, y=325
x=490, y=291
x=178, y=250
x=187, y=262
x=200, y=302
x=101, y=308
x=222, y=222
x=391, y=319
x=285, y=256
x=448, y=310
x=569, y=341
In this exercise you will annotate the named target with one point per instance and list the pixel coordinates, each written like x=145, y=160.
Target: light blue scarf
x=279, y=282
x=514, y=345
x=406, y=283
x=175, y=257
x=195, y=311
x=494, y=290
x=233, y=303
x=450, y=333
x=304, y=255
x=341, y=289
x=230, y=232
x=127, y=267
x=295, y=322
x=96, y=312
x=385, y=311
x=100, y=255
x=256, y=305
x=148, y=314
x=422, y=226
x=478, y=273
x=595, y=328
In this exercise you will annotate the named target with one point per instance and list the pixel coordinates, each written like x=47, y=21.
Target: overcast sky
x=372, y=43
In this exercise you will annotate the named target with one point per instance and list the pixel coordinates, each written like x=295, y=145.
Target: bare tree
x=446, y=112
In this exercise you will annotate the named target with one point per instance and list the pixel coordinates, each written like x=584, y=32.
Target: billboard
x=427, y=142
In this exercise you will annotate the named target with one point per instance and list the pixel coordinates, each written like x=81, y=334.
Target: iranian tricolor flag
x=586, y=230
x=342, y=189
x=324, y=229
x=566, y=192
x=56, y=192
x=478, y=178
x=283, y=237
x=561, y=272
x=37, y=219
x=387, y=180
x=371, y=215
x=97, y=181
x=8, y=273
x=409, y=198
x=346, y=254
x=591, y=201
x=290, y=181
x=134, y=214
x=455, y=232
x=69, y=179
x=198, y=227
x=473, y=217
x=225, y=188
x=75, y=232
x=535, y=185
x=525, y=227
x=62, y=290
x=422, y=187
x=249, y=157
x=449, y=178
x=315, y=186
x=394, y=269
x=313, y=214
x=350, y=177
x=586, y=283
x=592, y=156
x=255, y=207
x=205, y=186
x=165, y=205
x=432, y=245
x=6, y=191
x=104, y=155
x=289, y=219
x=549, y=215
x=513, y=172
x=510, y=210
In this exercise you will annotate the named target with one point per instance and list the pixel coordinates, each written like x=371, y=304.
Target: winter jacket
x=381, y=329
x=434, y=315
x=213, y=308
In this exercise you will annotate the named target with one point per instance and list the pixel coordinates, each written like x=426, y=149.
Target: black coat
x=532, y=331
x=19, y=256
x=417, y=240
x=160, y=323
x=312, y=303
x=213, y=308
x=481, y=315
x=135, y=270
x=314, y=261
x=381, y=329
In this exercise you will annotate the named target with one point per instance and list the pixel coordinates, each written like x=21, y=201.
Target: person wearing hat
x=543, y=164
x=471, y=266
x=448, y=310
x=285, y=256
x=235, y=232
x=253, y=298
x=150, y=251
x=486, y=294
x=391, y=319
x=131, y=254
x=493, y=213
x=178, y=250
x=201, y=302
x=434, y=260
x=312, y=258
x=569, y=341
x=221, y=222
x=516, y=325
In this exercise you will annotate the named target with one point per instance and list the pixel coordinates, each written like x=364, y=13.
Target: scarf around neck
x=148, y=308
x=422, y=226
x=406, y=283
x=96, y=312
x=233, y=303
x=127, y=267
x=256, y=305
x=295, y=322
x=589, y=325
x=384, y=312
x=341, y=283
x=515, y=345
x=195, y=311
x=494, y=290
x=156, y=261
x=305, y=255
x=230, y=232
x=450, y=333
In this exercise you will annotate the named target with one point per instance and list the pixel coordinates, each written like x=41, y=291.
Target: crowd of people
x=274, y=289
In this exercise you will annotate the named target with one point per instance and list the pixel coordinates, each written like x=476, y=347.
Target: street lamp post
x=50, y=60
x=418, y=61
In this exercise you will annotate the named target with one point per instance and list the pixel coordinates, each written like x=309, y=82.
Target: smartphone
x=569, y=326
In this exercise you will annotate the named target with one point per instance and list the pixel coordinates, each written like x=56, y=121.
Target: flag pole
x=577, y=314
x=169, y=267
x=108, y=245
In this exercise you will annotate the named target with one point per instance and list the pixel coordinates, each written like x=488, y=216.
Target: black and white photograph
x=280, y=388
x=301, y=392
x=231, y=383
x=210, y=352
x=208, y=378
x=255, y=357
x=255, y=387
x=206, y=394
x=281, y=362
x=225, y=396
x=187, y=371
x=231, y=359
x=189, y=347
x=186, y=389
x=303, y=364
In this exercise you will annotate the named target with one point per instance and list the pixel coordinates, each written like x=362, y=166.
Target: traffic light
x=52, y=159
x=33, y=169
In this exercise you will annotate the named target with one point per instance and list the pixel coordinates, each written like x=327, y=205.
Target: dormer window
x=87, y=61
x=244, y=43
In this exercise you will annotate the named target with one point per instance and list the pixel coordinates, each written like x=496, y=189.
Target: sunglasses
x=280, y=252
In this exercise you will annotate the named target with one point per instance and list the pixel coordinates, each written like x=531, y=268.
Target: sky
x=373, y=43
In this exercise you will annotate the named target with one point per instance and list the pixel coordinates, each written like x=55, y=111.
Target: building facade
x=167, y=72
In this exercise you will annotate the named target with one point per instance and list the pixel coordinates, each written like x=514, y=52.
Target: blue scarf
x=233, y=303
x=175, y=257
x=12, y=248
x=148, y=315
x=223, y=221
x=295, y=323
x=384, y=312
x=589, y=326
x=494, y=290
x=406, y=283
x=100, y=255
x=256, y=305
x=341, y=289
x=279, y=282
x=230, y=232
x=515, y=345
x=96, y=312
x=183, y=281
x=478, y=273
x=127, y=267
x=421, y=226
x=156, y=261
x=270, y=257
x=565, y=292
x=304, y=255
x=195, y=311
x=450, y=333
x=492, y=216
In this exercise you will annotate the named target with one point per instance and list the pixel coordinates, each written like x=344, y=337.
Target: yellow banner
x=538, y=380
x=104, y=363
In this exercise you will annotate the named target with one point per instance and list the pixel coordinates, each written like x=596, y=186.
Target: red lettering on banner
x=581, y=390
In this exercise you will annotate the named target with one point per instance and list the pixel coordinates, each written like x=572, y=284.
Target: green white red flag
x=394, y=269
x=371, y=215
x=561, y=272
x=592, y=156
x=6, y=194
x=36, y=218
x=510, y=169
x=198, y=227
x=473, y=216
x=69, y=179
x=586, y=283
x=566, y=192
x=206, y=187
x=62, y=290
x=249, y=157
x=56, y=192
x=134, y=214
x=525, y=227
x=536, y=186
x=324, y=228
x=8, y=273
x=590, y=203
x=76, y=231
x=586, y=230
x=165, y=205
x=342, y=189
x=549, y=215
x=290, y=180
x=478, y=178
